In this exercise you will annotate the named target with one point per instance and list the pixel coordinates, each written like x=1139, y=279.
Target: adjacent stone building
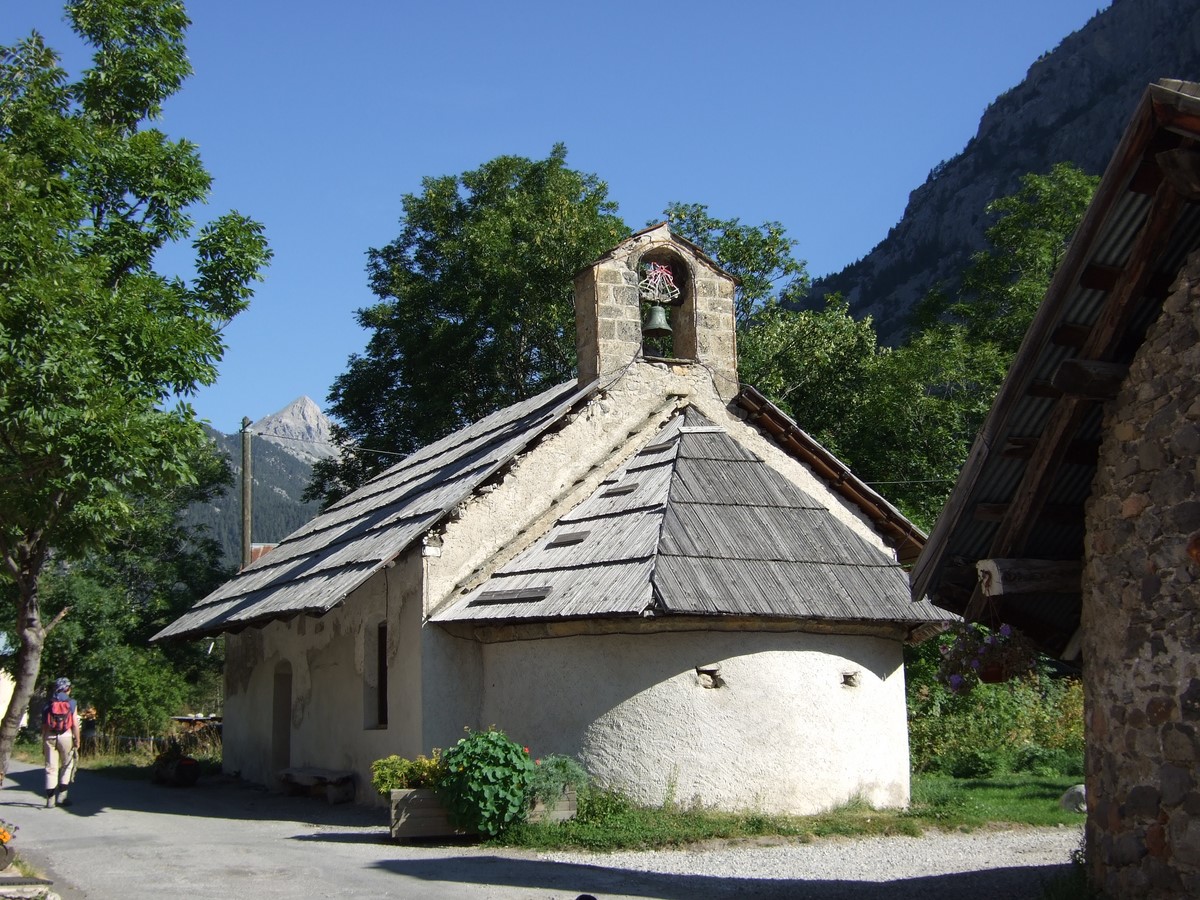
x=1141, y=635
x=651, y=569
x=1079, y=499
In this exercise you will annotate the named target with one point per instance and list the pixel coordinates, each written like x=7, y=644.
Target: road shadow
x=1017, y=883
x=218, y=796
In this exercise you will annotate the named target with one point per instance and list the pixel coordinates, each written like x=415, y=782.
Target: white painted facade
x=797, y=722
x=774, y=723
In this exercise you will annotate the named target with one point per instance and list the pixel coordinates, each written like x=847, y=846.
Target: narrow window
x=375, y=676
x=381, y=699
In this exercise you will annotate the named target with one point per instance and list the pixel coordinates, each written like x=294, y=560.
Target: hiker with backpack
x=60, y=740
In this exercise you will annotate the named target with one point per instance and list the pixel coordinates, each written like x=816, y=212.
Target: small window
x=381, y=675
x=617, y=490
x=566, y=538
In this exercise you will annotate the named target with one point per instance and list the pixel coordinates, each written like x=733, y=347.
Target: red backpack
x=58, y=716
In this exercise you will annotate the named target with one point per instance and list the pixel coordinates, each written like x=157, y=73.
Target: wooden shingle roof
x=317, y=566
x=765, y=536
x=695, y=524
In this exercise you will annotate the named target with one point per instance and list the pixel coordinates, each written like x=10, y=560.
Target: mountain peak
x=300, y=428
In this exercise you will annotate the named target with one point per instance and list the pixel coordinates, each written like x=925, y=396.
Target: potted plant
x=975, y=654
x=554, y=791
x=486, y=785
x=411, y=787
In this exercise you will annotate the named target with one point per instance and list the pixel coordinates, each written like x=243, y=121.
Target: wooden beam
x=1079, y=453
x=1104, y=278
x=998, y=577
x=1060, y=513
x=1040, y=388
x=1147, y=178
x=1074, y=646
x=1181, y=167
x=1029, y=499
x=1070, y=334
x=1089, y=379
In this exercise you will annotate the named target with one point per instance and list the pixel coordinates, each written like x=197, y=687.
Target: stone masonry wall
x=1141, y=618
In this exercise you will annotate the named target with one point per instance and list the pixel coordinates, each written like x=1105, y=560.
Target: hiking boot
x=50, y=798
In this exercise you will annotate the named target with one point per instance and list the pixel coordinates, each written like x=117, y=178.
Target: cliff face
x=1072, y=106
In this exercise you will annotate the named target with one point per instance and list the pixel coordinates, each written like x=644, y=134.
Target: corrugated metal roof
x=316, y=567
x=982, y=510
x=708, y=529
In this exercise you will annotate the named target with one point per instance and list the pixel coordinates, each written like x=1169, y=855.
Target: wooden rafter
x=1029, y=499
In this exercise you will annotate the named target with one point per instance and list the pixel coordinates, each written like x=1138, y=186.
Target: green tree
x=813, y=364
x=759, y=256
x=475, y=307
x=1004, y=285
x=147, y=575
x=93, y=340
x=910, y=430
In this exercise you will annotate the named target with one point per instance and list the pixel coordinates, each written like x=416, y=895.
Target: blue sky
x=316, y=117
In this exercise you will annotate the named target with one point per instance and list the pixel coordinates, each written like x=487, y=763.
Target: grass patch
x=1011, y=799
x=607, y=821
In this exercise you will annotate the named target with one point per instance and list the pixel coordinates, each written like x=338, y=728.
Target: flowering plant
x=486, y=782
x=977, y=654
x=7, y=831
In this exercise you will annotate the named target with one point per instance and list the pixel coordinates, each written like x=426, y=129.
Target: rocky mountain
x=1072, y=106
x=300, y=428
x=283, y=448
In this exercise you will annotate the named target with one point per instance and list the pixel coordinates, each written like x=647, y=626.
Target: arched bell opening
x=665, y=288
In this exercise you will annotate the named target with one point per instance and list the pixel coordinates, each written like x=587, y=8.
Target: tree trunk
x=31, y=636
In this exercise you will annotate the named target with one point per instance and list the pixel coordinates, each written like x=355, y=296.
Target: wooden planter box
x=562, y=809
x=418, y=813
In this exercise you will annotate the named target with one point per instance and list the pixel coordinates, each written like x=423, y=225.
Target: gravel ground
x=997, y=864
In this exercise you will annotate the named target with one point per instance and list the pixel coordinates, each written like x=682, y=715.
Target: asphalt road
x=222, y=839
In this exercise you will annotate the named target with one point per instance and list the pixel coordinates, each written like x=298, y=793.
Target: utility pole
x=246, y=482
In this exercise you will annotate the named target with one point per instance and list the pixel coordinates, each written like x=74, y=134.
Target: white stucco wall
x=782, y=734
x=329, y=659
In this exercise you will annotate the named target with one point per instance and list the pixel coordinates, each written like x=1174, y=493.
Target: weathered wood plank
x=998, y=577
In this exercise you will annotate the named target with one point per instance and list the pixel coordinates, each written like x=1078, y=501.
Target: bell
x=656, y=325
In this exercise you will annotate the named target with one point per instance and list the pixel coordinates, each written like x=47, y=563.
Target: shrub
x=553, y=774
x=393, y=773
x=486, y=784
x=603, y=806
x=1039, y=760
x=942, y=724
x=978, y=764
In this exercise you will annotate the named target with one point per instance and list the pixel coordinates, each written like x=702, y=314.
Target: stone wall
x=608, y=310
x=1141, y=620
